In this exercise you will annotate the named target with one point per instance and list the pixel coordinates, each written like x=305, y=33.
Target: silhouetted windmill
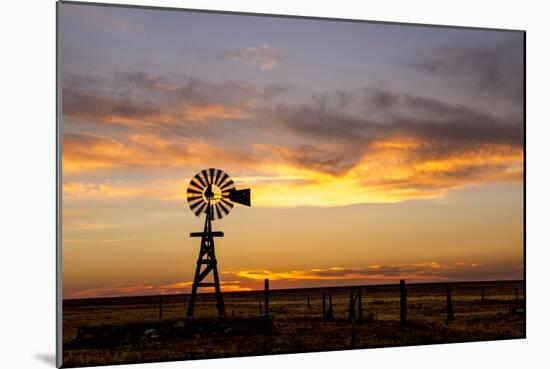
x=211, y=192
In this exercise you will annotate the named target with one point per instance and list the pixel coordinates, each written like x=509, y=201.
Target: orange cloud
x=339, y=273
x=117, y=290
x=149, y=289
x=206, y=112
x=415, y=272
x=394, y=166
x=160, y=189
x=393, y=170
x=247, y=280
x=96, y=108
x=88, y=152
x=417, y=148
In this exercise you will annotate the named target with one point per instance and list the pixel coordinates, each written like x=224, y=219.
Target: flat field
x=133, y=329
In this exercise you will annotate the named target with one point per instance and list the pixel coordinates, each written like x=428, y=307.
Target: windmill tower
x=213, y=193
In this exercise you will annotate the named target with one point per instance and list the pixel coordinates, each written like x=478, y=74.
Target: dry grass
x=297, y=328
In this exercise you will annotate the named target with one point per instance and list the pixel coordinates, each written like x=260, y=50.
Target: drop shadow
x=46, y=358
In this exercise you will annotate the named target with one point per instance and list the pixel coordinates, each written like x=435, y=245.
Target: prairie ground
x=293, y=325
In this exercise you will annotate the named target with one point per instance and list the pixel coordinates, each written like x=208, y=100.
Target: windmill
x=213, y=193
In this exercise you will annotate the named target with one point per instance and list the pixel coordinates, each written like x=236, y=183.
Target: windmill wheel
x=211, y=187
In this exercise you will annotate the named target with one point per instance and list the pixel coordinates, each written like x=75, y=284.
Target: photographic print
x=236, y=184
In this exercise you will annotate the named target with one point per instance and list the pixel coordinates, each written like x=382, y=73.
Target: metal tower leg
x=207, y=257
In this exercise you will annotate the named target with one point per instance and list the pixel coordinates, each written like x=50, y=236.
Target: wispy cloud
x=423, y=271
x=373, y=144
x=69, y=240
x=404, y=143
x=143, y=114
x=392, y=170
x=117, y=191
x=262, y=57
x=143, y=289
x=496, y=70
x=252, y=279
x=98, y=18
x=86, y=151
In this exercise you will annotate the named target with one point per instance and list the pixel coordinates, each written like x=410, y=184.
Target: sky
x=374, y=152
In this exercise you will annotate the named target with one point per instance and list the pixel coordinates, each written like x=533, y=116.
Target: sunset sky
x=374, y=152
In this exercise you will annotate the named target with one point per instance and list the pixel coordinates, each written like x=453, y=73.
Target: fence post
x=308, y=304
x=450, y=312
x=403, y=303
x=160, y=307
x=260, y=306
x=359, y=306
x=324, y=306
x=351, y=314
x=266, y=296
x=353, y=336
x=330, y=312
x=482, y=294
x=517, y=295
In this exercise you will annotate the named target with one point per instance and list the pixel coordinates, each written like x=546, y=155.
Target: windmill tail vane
x=212, y=192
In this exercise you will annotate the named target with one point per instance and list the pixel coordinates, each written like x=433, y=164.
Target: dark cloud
x=433, y=182
x=108, y=109
x=429, y=270
x=378, y=100
x=332, y=159
x=339, y=139
x=191, y=89
x=274, y=90
x=403, y=114
x=495, y=70
x=317, y=122
x=140, y=99
x=331, y=133
x=422, y=271
x=244, y=280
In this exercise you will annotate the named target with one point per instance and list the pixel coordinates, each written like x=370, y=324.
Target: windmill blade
x=227, y=185
x=211, y=173
x=192, y=196
x=221, y=179
x=217, y=177
x=240, y=196
x=216, y=186
x=193, y=192
x=194, y=203
x=204, y=175
x=199, y=181
x=226, y=205
x=193, y=189
x=198, y=210
x=193, y=206
x=217, y=211
x=193, y=199
x=196, y=184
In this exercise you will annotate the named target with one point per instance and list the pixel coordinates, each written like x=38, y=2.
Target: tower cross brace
x=206, y=264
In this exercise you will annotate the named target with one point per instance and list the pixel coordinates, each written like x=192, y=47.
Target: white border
x=28, y=181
